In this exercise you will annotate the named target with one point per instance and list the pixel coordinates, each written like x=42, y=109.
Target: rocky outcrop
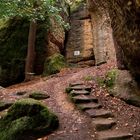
x=13, y=47
x=126, y=88
x=103, y=44
x=79, y=48
x=125, y=20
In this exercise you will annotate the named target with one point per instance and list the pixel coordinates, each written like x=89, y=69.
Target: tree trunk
x=29, y=65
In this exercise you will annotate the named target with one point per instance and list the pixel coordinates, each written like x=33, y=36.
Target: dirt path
x=75, y=125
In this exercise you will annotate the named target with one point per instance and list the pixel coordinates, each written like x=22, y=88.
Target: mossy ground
x=27, y=117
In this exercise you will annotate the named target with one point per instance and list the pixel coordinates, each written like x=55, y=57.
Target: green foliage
x=68, y=89
x=75, y=4
x=39, y=10
x=54, y=64
x=27, y=117
x=13, y=46
x=110, y=78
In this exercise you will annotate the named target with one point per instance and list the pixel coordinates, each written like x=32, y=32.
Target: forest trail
x=74, y=124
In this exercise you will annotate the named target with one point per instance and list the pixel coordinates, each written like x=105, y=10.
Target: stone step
x=79, y=92
x=75, y=84
x=92, y=105
x=103, y=123
x=114, y=135
x=81, y=87
x=84, y=99
x=95, y=113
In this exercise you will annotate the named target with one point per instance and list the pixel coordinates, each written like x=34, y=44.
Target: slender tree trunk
x=29, y=65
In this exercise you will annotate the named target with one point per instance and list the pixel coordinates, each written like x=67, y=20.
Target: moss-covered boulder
x=54, y=64
x=25, y=119
x=13, y=50
x=38, y=95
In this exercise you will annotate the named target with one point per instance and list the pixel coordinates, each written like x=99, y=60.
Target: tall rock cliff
x=125, y=22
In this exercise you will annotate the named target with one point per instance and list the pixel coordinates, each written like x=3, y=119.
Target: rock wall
x=79, y=48
x=13, y=47
x=125, y=22
x=103, y=43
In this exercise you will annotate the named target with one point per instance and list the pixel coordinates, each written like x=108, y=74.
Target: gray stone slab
x=79, y=92
x=85, y=106
x=75, y=84
x=103, y=123
x=84, y=99
x=114, y=135
x=81, y=87
x=94, y=113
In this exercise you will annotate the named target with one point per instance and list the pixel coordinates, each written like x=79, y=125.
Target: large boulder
x=14, y=41
x=125, y=88
x=25, y=119
x=13, y=49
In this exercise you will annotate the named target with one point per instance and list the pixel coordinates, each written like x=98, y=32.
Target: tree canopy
x=31, y=9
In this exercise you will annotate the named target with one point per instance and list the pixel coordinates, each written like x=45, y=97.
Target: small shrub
x=110, y=78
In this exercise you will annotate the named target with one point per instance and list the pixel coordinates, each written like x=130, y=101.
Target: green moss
x=68, y=89
x=13, y=50
x=54, y=64
x=27, y=117
x=109, y=79
x=38, y=95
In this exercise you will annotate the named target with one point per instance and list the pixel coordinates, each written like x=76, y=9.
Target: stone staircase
x=103, y=120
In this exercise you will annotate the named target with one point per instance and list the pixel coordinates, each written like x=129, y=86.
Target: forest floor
x=75, y=125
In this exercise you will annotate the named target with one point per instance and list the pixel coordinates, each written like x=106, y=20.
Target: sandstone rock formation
x=125, y=20
x=79, y=48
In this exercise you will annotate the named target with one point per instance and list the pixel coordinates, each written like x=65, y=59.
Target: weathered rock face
x=103, y=43
x=125, y=21
x=126, y=88
x=13, y=49
x=79, y=48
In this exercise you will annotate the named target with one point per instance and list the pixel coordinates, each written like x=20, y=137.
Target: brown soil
x=75, y=125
